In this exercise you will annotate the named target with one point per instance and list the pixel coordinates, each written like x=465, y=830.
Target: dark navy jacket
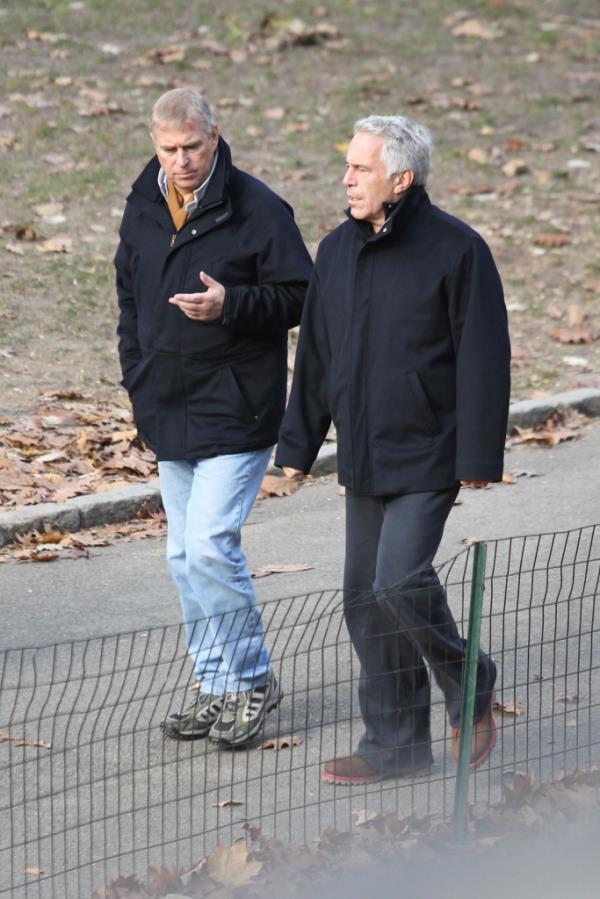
x=404, y=344
x=200, y=389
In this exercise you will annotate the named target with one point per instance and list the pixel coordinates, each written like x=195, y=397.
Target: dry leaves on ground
x=278, y=485
x=29, y=547
x=558, y=428
x=278, y=743
x=232, y=867
x=267, y=865
x=69, y=446
x=22, y=741
x=508, y=708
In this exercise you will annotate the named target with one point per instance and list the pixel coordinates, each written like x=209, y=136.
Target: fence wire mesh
x=91, y=789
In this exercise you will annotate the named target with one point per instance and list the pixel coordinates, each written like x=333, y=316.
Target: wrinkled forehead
x=179, y=132
x=365, y=149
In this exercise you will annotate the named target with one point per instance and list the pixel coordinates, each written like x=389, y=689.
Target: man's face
x=186, y=153
x=368, y=186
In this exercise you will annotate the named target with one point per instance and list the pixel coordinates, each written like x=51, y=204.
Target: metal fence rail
x=90, y=788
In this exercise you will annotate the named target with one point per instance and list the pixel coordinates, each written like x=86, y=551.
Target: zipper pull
x=173, y=239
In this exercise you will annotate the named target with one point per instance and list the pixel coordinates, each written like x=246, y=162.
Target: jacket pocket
x=215, y=399
x=427, y=414
x=136, y=375
x=240, y=401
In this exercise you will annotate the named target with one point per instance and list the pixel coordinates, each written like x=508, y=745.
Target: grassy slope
x=532, y=87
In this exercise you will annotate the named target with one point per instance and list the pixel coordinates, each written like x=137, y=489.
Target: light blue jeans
x=206, y=502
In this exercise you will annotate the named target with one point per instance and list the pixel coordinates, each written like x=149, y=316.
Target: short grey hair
x=407, y=145
x=180, y=106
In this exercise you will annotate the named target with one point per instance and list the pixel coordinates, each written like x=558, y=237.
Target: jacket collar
x=145, y=191
x=398, y=215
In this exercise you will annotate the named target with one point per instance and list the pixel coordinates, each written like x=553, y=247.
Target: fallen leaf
x=20, y=741
x=163, y=880
x=165, y=55
x=34, y=872
x=478, y=155
x=556, y=239
x=279, y=743
x=266, y=570
x=574, y=334
x=477, y=29
x=515, y=167
x=43, y=210
x=509, y=708
x=230, y=867
x=43, y=556
x=26, y=232
x=14, y=247
x=278, y=485
x=568, y=697
x=363, y=816
x=214, y=47
x=59, y=244
x=226, y=803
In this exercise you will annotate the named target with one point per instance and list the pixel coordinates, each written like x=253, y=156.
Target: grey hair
x=407, y=144
x=180, y=106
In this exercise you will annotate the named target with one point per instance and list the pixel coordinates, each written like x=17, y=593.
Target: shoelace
x=255, y=698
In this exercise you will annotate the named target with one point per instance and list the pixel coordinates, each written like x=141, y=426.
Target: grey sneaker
x=195, y=721
x=243, y=713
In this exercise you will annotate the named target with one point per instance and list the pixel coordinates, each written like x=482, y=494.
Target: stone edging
x=124, y=503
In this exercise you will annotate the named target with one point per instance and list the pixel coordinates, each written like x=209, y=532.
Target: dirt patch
x=506, y=87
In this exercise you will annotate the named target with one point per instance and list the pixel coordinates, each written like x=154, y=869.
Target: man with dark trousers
x=404, y=345
x=211, y=273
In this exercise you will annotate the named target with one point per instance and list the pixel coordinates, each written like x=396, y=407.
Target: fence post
x=467, y=708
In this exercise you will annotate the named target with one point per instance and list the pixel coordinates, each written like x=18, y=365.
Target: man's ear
x=402, y=181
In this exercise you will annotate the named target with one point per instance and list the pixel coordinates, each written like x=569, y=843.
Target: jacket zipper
x=173, y=239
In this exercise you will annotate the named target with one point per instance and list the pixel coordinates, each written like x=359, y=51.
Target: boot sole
x=251, y=734
x=348, y=780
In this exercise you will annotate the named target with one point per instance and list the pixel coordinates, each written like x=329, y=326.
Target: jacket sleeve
x=129, y=349
x=283, y=267
x=307, y=417
x=479, y=326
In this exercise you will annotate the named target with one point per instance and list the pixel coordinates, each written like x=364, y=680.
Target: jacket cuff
x=293, y=459
x=229, y=310
x=478, y=470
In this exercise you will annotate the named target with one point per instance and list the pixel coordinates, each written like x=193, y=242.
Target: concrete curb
x=124, y=503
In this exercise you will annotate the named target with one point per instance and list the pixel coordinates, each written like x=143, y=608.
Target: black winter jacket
x=404, y=344
x=200, y=389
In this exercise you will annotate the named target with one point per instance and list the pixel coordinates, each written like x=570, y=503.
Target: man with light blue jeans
x=207, y=502
x=211, y=274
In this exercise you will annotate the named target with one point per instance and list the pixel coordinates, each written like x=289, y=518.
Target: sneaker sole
x=171, y=730
x=251, y=734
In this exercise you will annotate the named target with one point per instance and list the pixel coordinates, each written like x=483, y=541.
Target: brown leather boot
x=351, y=770
x=483, y=739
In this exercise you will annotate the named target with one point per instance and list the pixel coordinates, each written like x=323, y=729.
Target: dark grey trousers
x=398, y=618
